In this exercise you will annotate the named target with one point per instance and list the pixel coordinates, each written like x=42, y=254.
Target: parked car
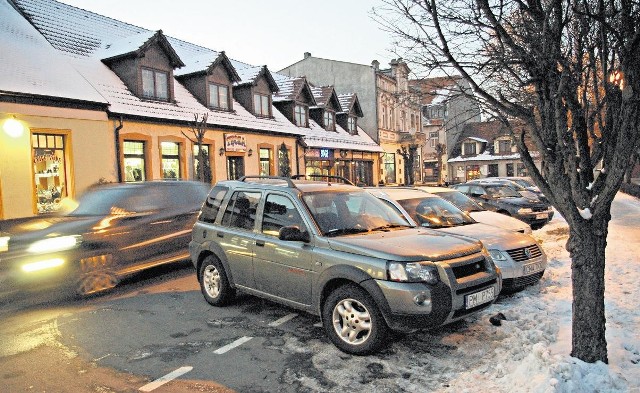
x=503, y=199
x=336, y=251
x=527, y=192
x=520, y=258
x=115, y=230
x=476, y=211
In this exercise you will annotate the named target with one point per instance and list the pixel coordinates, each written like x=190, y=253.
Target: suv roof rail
x=290, y=183
x=328, y=177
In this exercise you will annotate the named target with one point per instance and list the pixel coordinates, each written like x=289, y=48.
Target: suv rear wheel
x=353, y=321
x=214, y=283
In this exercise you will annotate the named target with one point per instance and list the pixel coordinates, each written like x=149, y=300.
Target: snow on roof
x=317, y=137
x=486, y=156
x=123, y=45
x=473, y=138
x=249, y=74
x=346, y=101
x=30, y=65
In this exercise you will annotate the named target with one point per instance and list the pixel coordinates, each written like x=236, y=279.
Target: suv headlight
x=498, y=255
x=4, y=243
x=425, y=272
x=54, y=244
x=525, y=210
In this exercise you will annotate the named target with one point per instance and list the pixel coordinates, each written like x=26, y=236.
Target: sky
x=275, y=33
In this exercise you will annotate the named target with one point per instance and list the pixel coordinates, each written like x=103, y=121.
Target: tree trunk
x=586, y=245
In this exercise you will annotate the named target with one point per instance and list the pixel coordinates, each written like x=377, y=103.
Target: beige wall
x=90, y=150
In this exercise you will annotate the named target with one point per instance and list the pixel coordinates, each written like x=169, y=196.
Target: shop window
x=493, y=170
x=218, y=96
x=170, y=160
x=473, y=172
x=389, y=168
x=363, y=172
x=155, y=84
x=134, y=160
x=235, y=167
x=300, y=115
x=266, y=162
x=318, y=167
x=261, y=105
x=509, y=169
x=206, y=161
x=49, y=168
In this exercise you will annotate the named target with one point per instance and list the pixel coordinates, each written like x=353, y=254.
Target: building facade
x=391, y=111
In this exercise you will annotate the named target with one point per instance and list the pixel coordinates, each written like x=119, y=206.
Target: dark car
x=115, y=230
x=501, y=198
x=527, y=191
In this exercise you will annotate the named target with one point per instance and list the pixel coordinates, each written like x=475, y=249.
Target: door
x=283, y=268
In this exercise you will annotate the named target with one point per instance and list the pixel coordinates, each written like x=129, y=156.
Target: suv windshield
x=462, y=201
x=344, y=213
x=433, y=212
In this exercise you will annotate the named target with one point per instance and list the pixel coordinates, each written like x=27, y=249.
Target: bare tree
x=409, y=154
x=568, y=73
x=199, y=129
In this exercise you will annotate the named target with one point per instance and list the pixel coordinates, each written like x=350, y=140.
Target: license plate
x=478, y=298
x=531, y=268
x=542, y=216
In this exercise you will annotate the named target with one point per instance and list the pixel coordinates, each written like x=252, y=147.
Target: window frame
x=217, y=88
x=263, y=105
x=300, y=122
x=329, y=120
x=154, y=73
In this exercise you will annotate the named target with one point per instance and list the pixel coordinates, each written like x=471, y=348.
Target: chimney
x=307, y=55
x=376, y=65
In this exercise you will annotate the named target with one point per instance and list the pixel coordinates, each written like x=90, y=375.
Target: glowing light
x=13, y=128
x=54, y=244
x=41, y=265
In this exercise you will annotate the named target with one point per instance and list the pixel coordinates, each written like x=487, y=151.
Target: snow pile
x=529, y=352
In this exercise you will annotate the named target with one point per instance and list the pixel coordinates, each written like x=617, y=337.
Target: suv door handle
x=260, y=243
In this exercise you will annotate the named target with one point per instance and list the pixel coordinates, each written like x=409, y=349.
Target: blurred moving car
x=503, y=199
x=476, y=211
x=116, y=230
x=519, y=257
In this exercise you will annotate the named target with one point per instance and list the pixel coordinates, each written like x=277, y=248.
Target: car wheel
x=353, y=321
x=95, y=274
x=214, y=282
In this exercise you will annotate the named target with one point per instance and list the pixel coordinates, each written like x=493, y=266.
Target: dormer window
x=261, y=105
x=218, y=96
x=155, y=84
x=351, y=125
x=300, y=115
x=504, y=147
x=469, y=148
x=329, y=121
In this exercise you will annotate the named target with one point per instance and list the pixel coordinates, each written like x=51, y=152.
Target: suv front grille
x=525, y=253
x=469, y=268
x=539, y=208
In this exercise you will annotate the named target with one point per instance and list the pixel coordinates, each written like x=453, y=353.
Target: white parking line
x=234, y=344
x=169, y=377
x=282, y=320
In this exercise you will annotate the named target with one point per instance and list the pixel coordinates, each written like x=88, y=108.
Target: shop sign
x=235, y=142
x=45, y=157
x=323, y=154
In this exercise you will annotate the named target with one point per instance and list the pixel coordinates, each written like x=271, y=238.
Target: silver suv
x=336, y=251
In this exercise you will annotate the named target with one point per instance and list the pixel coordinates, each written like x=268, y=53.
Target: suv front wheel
x=353, y=321
x=214, y=282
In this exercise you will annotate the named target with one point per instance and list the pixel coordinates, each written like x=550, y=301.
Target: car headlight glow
x=41, y=265
x=525, y=210
x=4, y=243
x=497, y=255
x=425, y=272
x=54, y=244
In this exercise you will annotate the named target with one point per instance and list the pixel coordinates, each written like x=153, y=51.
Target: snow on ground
x=529, y=352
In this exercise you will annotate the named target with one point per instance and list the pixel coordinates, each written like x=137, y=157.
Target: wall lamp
x=250, y=152
x=221, y=151
x=13, y=127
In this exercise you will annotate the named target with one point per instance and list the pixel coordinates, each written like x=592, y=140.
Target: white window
x=300, y=115
x=155, y=84
x=351, y=125
x=218, y=96
x=261, y=105
x=329, y=121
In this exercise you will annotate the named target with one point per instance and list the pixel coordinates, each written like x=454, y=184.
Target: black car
x=501, y=198
x=115, y=230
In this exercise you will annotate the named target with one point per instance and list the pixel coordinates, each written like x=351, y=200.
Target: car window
x=435, y=212
x=100, y=201
x=502, y=192
x=241, y=210
x=212, y=204
x=462, y=201
x=476, y=190
x=462, y=188
x=279, y=211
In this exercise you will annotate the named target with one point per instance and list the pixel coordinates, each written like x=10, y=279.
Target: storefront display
x=49, y=171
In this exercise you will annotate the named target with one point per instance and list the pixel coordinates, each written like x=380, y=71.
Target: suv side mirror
x=478, y=195
x=293, y=233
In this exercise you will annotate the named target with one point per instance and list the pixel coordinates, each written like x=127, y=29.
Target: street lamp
x=13, y=127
